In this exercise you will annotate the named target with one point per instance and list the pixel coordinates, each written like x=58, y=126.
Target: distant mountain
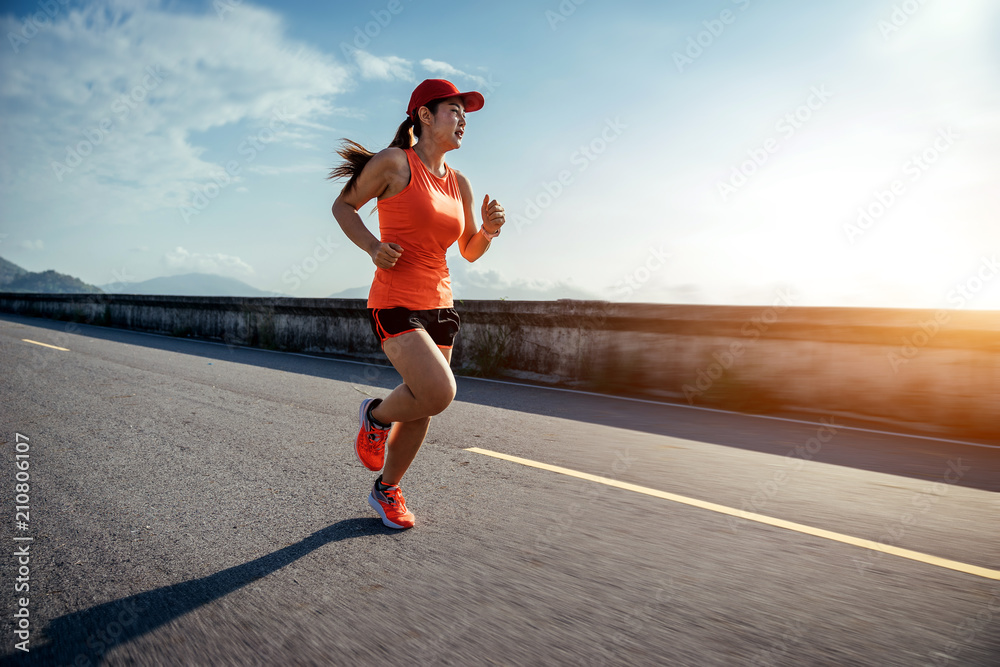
x=15, y=279
x=351, y=293
x=189, y=284
x=9, y=271
x=467, y=283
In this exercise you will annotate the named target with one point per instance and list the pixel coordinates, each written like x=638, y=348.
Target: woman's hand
x=493, y=215
x=385, y=254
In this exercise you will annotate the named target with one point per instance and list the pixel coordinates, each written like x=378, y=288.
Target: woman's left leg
x=405, y=439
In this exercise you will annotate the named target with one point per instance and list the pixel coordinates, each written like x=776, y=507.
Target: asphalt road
x=193, y=503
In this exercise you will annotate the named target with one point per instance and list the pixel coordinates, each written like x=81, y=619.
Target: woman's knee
x=438, y=396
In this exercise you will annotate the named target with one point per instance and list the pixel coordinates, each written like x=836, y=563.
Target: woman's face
x=448, y=124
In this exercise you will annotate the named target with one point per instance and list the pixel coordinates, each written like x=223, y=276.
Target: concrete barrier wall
x=932, y=371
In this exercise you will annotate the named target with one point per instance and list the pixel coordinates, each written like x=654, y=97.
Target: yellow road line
x=759, y=518
x=54, y=347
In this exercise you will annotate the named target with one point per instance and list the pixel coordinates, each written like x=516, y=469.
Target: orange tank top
x=424, y=219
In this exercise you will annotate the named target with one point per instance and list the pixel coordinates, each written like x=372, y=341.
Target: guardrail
x=932, y=371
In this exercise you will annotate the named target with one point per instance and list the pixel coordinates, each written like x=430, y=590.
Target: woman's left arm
x=474, y=241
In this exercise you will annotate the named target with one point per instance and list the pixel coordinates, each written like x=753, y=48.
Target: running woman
x=424, y=206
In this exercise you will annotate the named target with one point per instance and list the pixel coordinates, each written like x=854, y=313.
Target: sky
x=721, y=152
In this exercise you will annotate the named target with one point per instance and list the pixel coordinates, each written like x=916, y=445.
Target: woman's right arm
x=376, y=177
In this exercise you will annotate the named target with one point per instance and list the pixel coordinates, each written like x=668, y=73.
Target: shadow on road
x=84, y=637
x=917, y=458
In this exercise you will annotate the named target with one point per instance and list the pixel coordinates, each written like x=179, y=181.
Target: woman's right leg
x=428, y=388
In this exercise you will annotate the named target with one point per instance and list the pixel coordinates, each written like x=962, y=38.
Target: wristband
x=489, y=236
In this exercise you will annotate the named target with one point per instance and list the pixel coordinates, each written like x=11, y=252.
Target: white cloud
x=103, y=105
x=388, y=68
x=183, y=260
x=443, y=69
x=32, y=245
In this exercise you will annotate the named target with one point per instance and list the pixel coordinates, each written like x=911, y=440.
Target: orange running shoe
x=390, y=505
x=370, y=443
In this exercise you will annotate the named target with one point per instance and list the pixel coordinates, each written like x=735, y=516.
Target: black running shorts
x=441, y=324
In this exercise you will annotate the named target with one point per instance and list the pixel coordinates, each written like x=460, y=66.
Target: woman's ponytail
x=404, y=135
x=357, y=156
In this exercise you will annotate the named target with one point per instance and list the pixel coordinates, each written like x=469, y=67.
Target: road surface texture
x=195, y=503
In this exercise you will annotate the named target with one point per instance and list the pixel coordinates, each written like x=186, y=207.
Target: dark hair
x=357, y=156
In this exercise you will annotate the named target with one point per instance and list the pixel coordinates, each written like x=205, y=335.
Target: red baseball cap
x=436, y=89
